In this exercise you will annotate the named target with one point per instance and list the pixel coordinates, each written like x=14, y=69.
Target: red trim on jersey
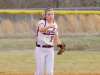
x=45, y=22
x=37, y=32
x=44, y=26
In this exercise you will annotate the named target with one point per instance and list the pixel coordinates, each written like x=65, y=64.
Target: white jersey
x=47, y=37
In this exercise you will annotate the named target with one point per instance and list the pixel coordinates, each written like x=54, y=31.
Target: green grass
x=78, y=62
x=17, y=44
x=79, y=44
x=68, y=62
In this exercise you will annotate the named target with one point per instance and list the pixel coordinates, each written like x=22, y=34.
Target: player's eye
x=48, y=14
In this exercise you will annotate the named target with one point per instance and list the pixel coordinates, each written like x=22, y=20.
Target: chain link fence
x=70, y=25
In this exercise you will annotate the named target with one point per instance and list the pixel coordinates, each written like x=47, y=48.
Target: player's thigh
x=50, y=62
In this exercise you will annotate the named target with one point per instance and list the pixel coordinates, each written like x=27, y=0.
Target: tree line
x=18, y=4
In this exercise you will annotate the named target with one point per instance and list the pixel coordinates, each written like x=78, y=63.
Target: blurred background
x=72, y=27
x=12, y=4
x=24, y=25
x=80, y=33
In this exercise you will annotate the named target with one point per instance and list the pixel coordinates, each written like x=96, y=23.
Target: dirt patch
x=56, y=74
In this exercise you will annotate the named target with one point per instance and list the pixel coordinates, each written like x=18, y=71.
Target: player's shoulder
x=55, y=24
x=41, y=21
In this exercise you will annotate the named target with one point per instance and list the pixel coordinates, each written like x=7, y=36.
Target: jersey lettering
x=49, y=32
x=51, y=38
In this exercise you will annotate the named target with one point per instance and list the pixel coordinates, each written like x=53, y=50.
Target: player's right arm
x=43, y=28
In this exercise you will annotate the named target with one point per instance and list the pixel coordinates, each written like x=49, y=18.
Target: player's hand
x=53, y=27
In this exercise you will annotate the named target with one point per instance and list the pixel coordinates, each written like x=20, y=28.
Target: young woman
x=47, y=32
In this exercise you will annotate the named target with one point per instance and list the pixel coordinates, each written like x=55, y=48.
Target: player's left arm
x=61, y=46
x=57, y=40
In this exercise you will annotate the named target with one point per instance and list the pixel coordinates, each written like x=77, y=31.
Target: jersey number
x=51, y=38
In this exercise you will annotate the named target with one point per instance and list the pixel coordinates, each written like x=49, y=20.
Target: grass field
x=67, y=63
x=72, y=44
x=81, y=57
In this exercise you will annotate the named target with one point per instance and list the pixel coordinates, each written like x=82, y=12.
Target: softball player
x=47, y=32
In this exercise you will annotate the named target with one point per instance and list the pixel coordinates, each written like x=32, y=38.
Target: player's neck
x=50, y=22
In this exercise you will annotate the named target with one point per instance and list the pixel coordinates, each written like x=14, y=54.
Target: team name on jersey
x=49, y=32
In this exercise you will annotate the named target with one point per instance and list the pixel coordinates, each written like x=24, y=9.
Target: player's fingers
x=52, y=26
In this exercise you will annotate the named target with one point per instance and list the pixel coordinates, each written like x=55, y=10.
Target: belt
x=44, y=46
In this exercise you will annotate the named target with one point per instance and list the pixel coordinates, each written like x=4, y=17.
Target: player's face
x=49, y=16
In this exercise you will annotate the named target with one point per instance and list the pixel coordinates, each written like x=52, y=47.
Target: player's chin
x=51, y=19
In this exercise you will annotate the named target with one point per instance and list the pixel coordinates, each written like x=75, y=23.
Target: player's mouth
x=51, y=18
